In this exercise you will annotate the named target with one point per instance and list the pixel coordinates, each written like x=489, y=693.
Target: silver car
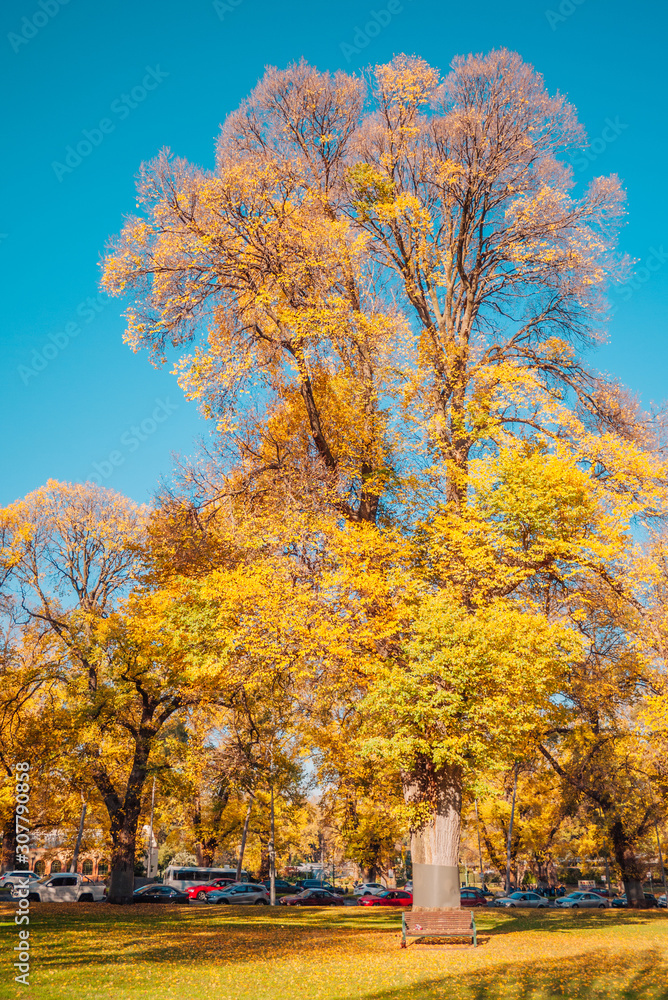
x=10, y=879
x=245, y=893
x=576, y=900
x=533, y=899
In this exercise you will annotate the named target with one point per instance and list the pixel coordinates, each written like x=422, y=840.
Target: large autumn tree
x=388, y=289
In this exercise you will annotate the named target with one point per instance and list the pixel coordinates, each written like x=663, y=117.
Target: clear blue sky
x=184, y=66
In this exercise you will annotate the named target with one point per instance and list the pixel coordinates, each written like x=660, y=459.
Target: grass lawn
x=88, y=951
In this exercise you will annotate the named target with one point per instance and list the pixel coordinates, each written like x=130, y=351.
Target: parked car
x=532, y=899
x=650, y=901
x=312, y=897
x=391, y=897
x=471, y=897
x=368, y=888
x=661, y=900
x=282, y=887
x=577, y=900
x=241, y=893
x=200, y=891
x=157, y=893
x=65, y=889
x=10, y=879
x=318, y=883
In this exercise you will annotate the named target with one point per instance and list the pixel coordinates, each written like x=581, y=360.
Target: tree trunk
x=244, y=835
x=435, y=845
x=9, y=858
x=122, y=863
x=124, y=815
x=77, y=846
x=629, y=866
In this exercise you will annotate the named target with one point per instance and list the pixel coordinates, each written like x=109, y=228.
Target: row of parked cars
x=306, y=892
x=68, y=887
x=579, y=899
x=226, y=891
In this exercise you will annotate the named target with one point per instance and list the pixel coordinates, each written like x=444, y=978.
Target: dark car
x=159, y=894
x=318, y=883
x=281, y=886
x=312, y=897
x=622, y=901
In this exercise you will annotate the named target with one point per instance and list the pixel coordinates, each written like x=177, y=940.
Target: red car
x=391, y=897
x=471, y=897
x=200, y=891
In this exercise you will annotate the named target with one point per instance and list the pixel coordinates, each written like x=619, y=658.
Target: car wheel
x=201, y=895
x=8, y=885
x=575, y=906
x=261, y=902
x=86, y=897
x=219, y=901
x=33, y=897
x=601, y=906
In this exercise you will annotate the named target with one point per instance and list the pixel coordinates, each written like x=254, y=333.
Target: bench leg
x=403, y=931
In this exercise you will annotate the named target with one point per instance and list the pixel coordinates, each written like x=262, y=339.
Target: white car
x=533, y=899
x=368, y=888
x=64, y=888
x=577, y=900
x=9, y=879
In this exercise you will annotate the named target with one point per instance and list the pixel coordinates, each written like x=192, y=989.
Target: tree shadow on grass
x=558, y=920
x=94, y=935
x=596, y=975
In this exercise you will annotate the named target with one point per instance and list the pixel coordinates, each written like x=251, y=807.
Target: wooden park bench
x=438, y=923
